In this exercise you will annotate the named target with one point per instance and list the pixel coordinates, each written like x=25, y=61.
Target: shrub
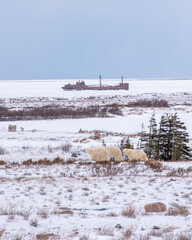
x=127, y=234
x=115, y=110
x=106, y=232
x=183, y=236
x=106, y=169
x=129, y=212
x=2, y=162
x=46, y=236
x=33, y=222
x=84, y=237
x=97, y=135
x=149, y=103
x=177, y=209
x=2, y=231
x=50, y=112
x=43, y=213
x=66, y=147
x=44, y=161
x=2, y=150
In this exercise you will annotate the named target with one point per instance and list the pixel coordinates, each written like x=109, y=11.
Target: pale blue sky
x=84, y=38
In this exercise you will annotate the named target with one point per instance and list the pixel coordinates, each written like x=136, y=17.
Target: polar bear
x=115, y=152
x=98, y=154
x=135, y=154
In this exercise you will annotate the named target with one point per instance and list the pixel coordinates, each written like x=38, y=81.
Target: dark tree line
x=167, y=142
x=49, y=112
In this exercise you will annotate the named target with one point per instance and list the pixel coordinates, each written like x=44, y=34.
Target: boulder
x=155, y=207
x=155, y=164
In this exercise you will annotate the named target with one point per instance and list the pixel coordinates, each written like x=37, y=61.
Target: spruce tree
x=149, y=141
x=173, y=139
x=163, y=139
x=144, y=139
x=169, y=142
x=125, y=143
x=153, y=138
x=180, y=138
x=128, y=143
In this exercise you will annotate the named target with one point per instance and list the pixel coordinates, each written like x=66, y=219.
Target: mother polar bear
x=105, y=153
x=135, y=154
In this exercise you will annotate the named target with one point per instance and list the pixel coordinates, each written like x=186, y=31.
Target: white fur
x=98, y=154
x=115, y=152
x=135, y=154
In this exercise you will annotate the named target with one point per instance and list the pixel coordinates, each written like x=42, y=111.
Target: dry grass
x=2, y=150
x=144, y=237
x=43, y=213
x=2, y=162
x=179, y=172
x=184, y=236
x=127, y=234
x=1, y=232
x=62, y=211
x=97, y=135
x=103, y=169
x=129, y=212
x=105, y=232
x=50, y=149
x=47, y=236
x=149, y=103
x=111, y=214
x=156, y=233
x=177, y=209
x=17, y=236
x=65, y=147
x=84, y=237
x=44, y=161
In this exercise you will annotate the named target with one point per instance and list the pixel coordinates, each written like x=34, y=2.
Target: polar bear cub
x=98, y=154
x=135, y=154
x=115, y=152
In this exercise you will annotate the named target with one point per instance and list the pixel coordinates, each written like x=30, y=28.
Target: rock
x=155, y=207
x=156, y=227
x=152, y=163
x=74, y=154
x=118, y=226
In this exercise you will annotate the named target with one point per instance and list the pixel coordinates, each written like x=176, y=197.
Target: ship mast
x=100, y=80
x=122, y=80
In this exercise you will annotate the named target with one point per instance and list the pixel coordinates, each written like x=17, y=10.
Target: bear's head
x=89, y=150
x=126, y=151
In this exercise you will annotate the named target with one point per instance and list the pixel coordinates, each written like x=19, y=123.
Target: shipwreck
x=80, y=85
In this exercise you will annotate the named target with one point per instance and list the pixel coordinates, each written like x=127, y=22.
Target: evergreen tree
x=165, y=137
x=169, y=142
x=144, y=139
x=125, y=143
x=103, y=143
x=180, y=138
x=153, y=138
x=149, y=141
x=128, y=143
x=173, y=139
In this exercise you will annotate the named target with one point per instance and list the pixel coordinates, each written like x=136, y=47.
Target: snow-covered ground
x=80, y=199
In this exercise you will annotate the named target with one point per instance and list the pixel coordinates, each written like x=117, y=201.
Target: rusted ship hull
x=82, y=86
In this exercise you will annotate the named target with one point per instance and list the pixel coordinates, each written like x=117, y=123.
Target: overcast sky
x=44, y=39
